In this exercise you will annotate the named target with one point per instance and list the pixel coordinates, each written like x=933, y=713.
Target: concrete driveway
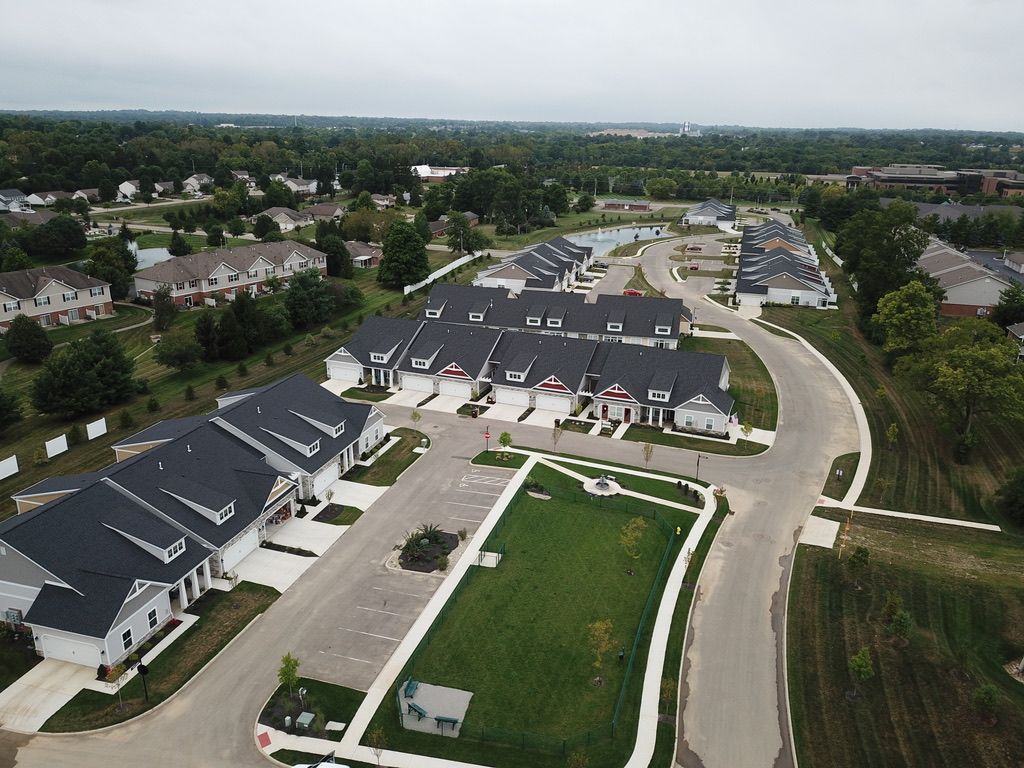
x=541, y=418
x=612, y=283
x=502, y=412
x=406, y=397
x=306, y=533
x=358, y=495
x=31, y=700
x=445, y=403
x=273, y=569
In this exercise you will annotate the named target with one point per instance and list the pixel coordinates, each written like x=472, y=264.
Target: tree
x=1009, y=499
x=647, y=451
x=505, y=440
x=902, y=625
x=422, y=226
x=112, y=261
x=906, y=318
x=968, y=369
x=106, y=190
x=377, y=741
x=214, y=235
x=308, y=300
x=861, y=669
x=599, y=634
x=206, y=334
x=458, y=232
x=235, y=227
x=14, y=258
x=984, y=701
x=264, y=225
x=277, y=195
x=231, y=341
x=164, y=308
x=584, y=202
x=1009, y=310
x=179, y=245
x=178, y=350
x=892, y=435
x=339, y=263
x=858, y=564
x=10, y=409
x=86, y=376
x=404, y=261
x=415, y=417
x=27, y=341
x=662, y=188
x=893, y=605
x=288, y=672
x=630, y=536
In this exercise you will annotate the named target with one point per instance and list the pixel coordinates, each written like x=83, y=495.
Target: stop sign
x=487, y=435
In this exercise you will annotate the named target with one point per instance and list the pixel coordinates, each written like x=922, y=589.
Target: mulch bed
x=329, y=512
x=427, y=563
x=290, y=550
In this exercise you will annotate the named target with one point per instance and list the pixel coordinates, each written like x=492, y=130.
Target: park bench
x=416, y=709
x=410, y=688
x=443, y=721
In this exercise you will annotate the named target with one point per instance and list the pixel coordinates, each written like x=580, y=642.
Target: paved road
x=334, y=617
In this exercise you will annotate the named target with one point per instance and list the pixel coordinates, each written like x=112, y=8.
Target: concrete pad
x=819, y=532
x=438, y=701
x=336, y=386
x=445, y=403
x=501, y=412
x=541, y=418
x=273, y=569
x=748, y=312
x=33, y=698
x=358, y=495
x=308, y=534
x=406, y=397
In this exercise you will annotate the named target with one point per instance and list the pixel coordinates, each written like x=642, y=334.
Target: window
x=614, y=327
x=44, y=320
x=233, y=278
x=419, y=363
x=795, y=299
x=433, y=313
x=179, y=286
x=193, y=283
x=513, y=376
x=269, y=270
x=69, y=296
x=339, y=429
x=43, y=301
x=688, y=420
x=533, y=321
x=662, y=330
x=662, y=396
x=12, y=306
x=303, y=264
x=126, y=638
x=252, y=274
x=176, y=549
x=616, y=412
x=612, y=338
x=213, y=281
x=152, y=619
x=709, y=423
x=476, y=317
x=377, y=357
x=225, y=513
x=554, y=322
x=313, y=448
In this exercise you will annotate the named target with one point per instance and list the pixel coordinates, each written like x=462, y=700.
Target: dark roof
x=382, y=334
x=1017, y=329
x=547, y=262
x=953, y=211
x=446, y=344
x=541, y=357
x=712, y=207
x=169, y=429
x=26, y=283
x=758, y=264
x=60, y=483
x=202, y=264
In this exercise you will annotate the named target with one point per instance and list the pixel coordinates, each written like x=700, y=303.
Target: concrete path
x=502, y=412
x=306, y=533
x=541, y=418
x=271, y=568
x=407, y=397
x=819, y=532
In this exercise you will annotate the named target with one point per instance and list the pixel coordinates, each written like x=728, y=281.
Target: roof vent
x=160, y=465
x=188, y=448
x=258, y=409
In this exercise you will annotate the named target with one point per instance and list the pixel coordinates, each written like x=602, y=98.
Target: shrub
x=190, y=392
x=125, y=420
x=310, y=341
x=287, y=349
x=75, y=434
x=269, y=359
x=442, y=563
x=39, y=458
x=142, y=386
x=243, y=369
x=222, y=382
x=463, y=533
x=153, y=405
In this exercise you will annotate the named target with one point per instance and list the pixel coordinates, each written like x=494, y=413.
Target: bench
x=416, y=709
x=443, y=721
x=410, y=688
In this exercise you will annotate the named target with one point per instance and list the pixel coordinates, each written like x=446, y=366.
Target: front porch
x=190, y=587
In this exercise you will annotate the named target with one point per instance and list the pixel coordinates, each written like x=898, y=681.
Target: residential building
x=626, y=205
x=301, y=187
x=13, y=200
x=1016, y=332
x=778, y=266
x=548, y=373
x=325, y=211
x=448, y=360
x=194, y=184
x=647, y=321
x=195, y=278
x=950, y=211
x=286, y=218
x=384, y=201
x=971, y=290
x=1013, y=260
x=552, y=266
x=439, y=228
x=28, y=218
x=127, y=190
x=53, y=296
x=164, y=188
x=710, y=213
x=91, y=195
x=372, y=355
x=46, y=198
x=436, y=174
x=364, y=255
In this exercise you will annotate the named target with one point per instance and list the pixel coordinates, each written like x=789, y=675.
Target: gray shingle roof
x=542, y=357
x=382, y=334
x=26, y=283
x=711, y=207
x=758, y=264
x=546, y=262
x=200, y=265
x=468, y=348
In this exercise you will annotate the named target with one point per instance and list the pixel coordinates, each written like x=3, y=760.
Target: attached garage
x=512, y=396
x=456, y=388
x=417, y=383
x=326, y=477
x=66, y=649
x=235, y=553
x=554, y=403
x=344, y=371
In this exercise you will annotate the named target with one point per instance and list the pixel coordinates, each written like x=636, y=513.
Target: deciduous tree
x=288, y=672
x=86, y=376
x=308, y=300
x=404, y=261
x=630, y=536
x=27, y=341
x=906, y=318
x=164, y=308
x=861, y=669
x=178, y=350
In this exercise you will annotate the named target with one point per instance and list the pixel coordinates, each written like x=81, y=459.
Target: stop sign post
x=487, y=438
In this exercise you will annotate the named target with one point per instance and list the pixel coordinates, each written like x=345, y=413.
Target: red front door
x=604, y=412
x=626, y=413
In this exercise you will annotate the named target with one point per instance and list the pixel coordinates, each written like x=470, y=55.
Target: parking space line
x=370, y=634
x=378, y=610
x=484, y=480
x=463, y=519
x=463, y=504
x=482, y=493
x=396, y=592
x=350, y=658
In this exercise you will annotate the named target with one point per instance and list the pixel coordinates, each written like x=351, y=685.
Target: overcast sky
x=790, y=63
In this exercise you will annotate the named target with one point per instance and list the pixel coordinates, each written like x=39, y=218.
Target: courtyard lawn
x=325, y=700
x=750, y=383
x=493, y=458
x=577, y=425
x=386, y=469
x=222, y=616
x=643, y=434
x=836, y=487
x=124, y=316
x=361, y=393
x=661, y=489
x=963, y=591
x=638, y=282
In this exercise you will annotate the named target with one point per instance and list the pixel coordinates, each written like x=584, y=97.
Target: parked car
x=600, y=265
x=632, y=292
x=694, y=265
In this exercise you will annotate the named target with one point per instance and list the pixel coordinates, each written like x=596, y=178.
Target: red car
x=632, y=292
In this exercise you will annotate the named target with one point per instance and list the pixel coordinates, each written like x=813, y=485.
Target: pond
x=607, y=238
x=149, y=256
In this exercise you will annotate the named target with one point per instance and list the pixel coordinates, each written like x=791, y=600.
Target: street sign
x=487, y=435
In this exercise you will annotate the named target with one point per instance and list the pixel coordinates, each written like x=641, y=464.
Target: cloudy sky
x=791, y=63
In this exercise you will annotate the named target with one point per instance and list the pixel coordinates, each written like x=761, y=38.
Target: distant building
x=286, y=218
x=971, y=290
x=710, y=213
x=626, y=205
x=46, y=198
x=552, y=266
x=363, y=255
x=435, y=174
x=953, y=211
x=908, y=176
x=777, y=266
x=53, y=296
x=12, y=200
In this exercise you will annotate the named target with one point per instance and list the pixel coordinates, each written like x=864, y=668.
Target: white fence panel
x=440, y=273
x=96, y=428
x=56, y=446
x=8, y=467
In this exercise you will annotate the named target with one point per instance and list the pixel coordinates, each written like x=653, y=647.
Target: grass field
x=750, y=383
x=517, y=635
x=124, y=315
x=198, y=242
x=644, y=434
x=963, y=591
x=222, y=615
x=661, y=489
x=386, y=469
x=918, y=473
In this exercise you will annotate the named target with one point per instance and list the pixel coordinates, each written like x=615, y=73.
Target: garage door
x=512, y=396
x=234, y=554
x=70, y=650
x=456, y=388
x=553, y=403
x=325, y=479
x=417, y=383
x=345, y=372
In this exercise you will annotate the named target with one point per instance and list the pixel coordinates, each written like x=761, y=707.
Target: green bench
x=410, y=688
x=443, y=721
x=416, y=709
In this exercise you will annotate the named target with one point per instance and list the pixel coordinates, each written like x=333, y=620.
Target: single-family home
x=971, y=290
x=325, y=211
x=301, y=187
x=1015, y=261
x=548, y=373
x=194, y=184
x=436, y=174
x=46, y=198
x=383, y=201
x=164, y=188
x=439, y=228
x=710, y=213
x=53, y=296
x=127, y=190
x=373, y=353
x=286, y=218
x=778, y=266
x=1016, y=332
x=90, y=195
x=196, y=277
x=26, y=218
x=449, y=360
x=555, y=265
x=364, y=255
x=13, y=200
x=626, y=205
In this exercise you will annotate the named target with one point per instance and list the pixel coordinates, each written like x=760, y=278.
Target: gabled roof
x=541, y=358
x=712, y=207
x=202, y=264
x=545, y=263
x=380, y=334
x=32, y=218
x=445, y=344
x=291, y=213
x=27, y=283
x=763, y=261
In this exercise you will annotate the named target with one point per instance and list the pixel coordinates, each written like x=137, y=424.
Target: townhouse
x=548, y=373
x=94, y=564
x=364, y=255
x=198, y=276
x=778, y=266
x=556, y=265
x=710, y=213
x=648, y=321
x=448, y=360
x=372, y=355
x=53, y=296
x=971, y=290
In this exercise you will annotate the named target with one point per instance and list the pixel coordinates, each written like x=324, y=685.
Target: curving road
x=732, y=684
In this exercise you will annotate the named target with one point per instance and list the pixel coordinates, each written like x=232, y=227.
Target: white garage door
x=345, y=372
x=234, y=554
x=553, y=403
x=325, y=479
x=70, y=650
x=512, y=396
x=456, y=388
x=417, y=383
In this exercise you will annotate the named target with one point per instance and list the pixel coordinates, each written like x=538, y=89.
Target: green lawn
x=386, y=469
x=644, y=434
x=836, y=487
x=16, y=658
x=361, y=393
x=222, y=616
x=347, y=516
x=325, y=700
x=576, y=425
x=571, y=223
x=963, y=591
x=750, y=383
x=198, y=242
x=493, y=458
x=638, y=282
x=124, y=316
x=661, y=489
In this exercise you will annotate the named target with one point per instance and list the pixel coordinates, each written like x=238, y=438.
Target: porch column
x=206, y=574
x=182, y=596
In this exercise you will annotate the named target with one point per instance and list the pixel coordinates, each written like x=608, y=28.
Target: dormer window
x=476, y=317
x=533, y=321
x=662, y=330
x=176, y=549
x=512, y=376
x=554, y=322
x=233, y=278
x=339, y=429
x=313, y=448
x=615, y=327
x=433, y=313
x=418, y=362
x=378, y=357
x=225, y=513
x=655, y=395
